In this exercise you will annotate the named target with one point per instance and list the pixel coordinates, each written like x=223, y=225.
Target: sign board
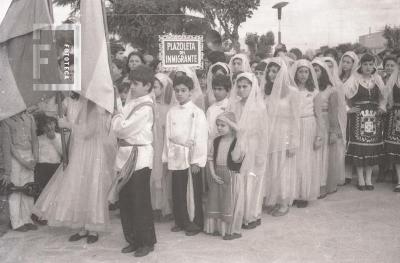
x=181, y=50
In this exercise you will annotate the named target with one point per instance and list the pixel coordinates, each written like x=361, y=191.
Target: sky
x=306, y=23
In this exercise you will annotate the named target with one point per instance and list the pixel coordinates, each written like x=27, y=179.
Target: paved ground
x=349, y=226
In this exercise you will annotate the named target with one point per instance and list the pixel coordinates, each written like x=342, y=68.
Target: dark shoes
x=251, y=225
x=369, y=187
x=278, y=212
x=361, y=187
x=92, y=238
x=176, y=229
x=23, y=228
x=192, y=232
x=26, y=228
x=397, y=189
x=232, y=237
x=143, y=251
x=129, y=249
x=38, y=221
x=77, y=236
x=301, y=203
x=31, y=226
x=365, y=187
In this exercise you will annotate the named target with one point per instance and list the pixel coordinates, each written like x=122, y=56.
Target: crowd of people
x=250, y=136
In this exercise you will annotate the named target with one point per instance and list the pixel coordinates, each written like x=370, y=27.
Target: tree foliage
x=140, y=22
x=229, y=14
x=392, y=35
x=265, y=43
x=260, y=45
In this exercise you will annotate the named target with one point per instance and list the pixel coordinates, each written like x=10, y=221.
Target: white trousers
x=20, y=205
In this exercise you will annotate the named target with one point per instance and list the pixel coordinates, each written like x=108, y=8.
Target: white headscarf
x=245, y=62
x=393, y=80
x=209, y=92
x=342, y=113
x=303, y=63
x=288, y=135
x=167, y=91
x=355, y=59
x=251, y=119
x=334, y=72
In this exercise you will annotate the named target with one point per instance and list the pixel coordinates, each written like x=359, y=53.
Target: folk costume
x=133, y=126
x=185, y=145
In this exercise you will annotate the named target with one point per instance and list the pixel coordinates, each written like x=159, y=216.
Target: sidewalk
x=349, y=226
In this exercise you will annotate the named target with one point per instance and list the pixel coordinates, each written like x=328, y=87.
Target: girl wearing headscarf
x=218, y=68
x=392, y=127
x=337, y=150
x=348, y=64
x=283, y=136
x=389, y=66
x=366, y=94
x=239, y=62
x=309, y=155
x=246, y=101
x=226, y=190
x=160, y=180
x=327, y=111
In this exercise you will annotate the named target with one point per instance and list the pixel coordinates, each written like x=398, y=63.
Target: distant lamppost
x=279, y=7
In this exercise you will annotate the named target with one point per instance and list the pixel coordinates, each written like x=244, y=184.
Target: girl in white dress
x=246, y=101
x=309, y=157
x=282, y=105
x=77, y=196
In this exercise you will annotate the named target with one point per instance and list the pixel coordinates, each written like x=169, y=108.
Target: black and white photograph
x=201, y=131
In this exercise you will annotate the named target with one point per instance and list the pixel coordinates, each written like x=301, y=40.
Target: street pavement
x=349, y=226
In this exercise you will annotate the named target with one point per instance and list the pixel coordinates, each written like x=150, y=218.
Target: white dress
x=280, y=174
x=308, y=160
x=77, y=196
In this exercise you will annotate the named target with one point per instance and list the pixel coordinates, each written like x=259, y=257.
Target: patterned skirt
x=392, y=135
x=365, y=145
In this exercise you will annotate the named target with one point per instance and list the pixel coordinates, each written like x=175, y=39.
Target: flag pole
x=63, y=141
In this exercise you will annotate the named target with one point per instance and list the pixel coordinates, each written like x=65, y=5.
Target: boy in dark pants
x=185, y=151
x=133, y=126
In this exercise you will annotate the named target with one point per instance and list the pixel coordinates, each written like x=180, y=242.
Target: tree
x=265, y=44
x=229, y=14
x=392, y=35
x=252, y=43
x=260, y=46
x=140, y=22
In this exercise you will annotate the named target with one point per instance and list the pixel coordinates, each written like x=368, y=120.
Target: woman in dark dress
x=392, y=127
x=365, y=91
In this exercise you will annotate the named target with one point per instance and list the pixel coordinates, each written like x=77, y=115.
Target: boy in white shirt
x=133, y=125
x=185, y=151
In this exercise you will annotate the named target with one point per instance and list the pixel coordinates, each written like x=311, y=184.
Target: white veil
x=334, y=72
x=284, y=125
x=303, y=63
x=245, y=62
x=251, y=118
x=167, y=92
x=355, y=59
x=394, y=79
x=209, y=92
x=342, y=112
